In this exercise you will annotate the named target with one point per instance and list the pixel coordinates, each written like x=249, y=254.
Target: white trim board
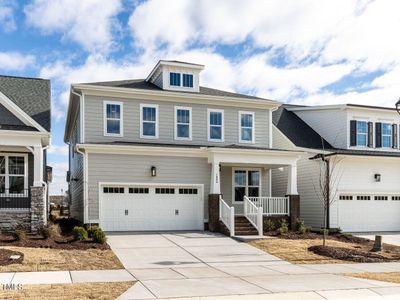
x=19, y=113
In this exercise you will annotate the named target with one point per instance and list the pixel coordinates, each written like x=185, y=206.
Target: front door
x=246, y=182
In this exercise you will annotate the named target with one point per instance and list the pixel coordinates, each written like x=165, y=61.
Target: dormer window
x=362, y=133
x=175, y=79
x=188, y=80
x=386, y=135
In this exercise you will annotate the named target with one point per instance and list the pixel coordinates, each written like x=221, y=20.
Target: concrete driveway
x=201, y=264
x=392, y=238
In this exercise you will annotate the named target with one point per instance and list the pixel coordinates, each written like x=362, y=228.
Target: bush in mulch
x=5, y=257
x=348, y=254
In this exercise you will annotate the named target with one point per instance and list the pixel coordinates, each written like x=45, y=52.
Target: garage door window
x=364, y=198
x=395, y=198
x=113, y=190
x=345, y=197
x=381, y=198
x=165, y=191
x=188, y=191
x=138, y=190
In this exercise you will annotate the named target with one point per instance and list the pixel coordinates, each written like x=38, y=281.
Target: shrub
x=99, y=236
x=20, y=234
x=269, y=225
x=91, y=230
x=301, y=227
x=80, y=233
x=324, y=231
x=284, y=227
x=50, y=231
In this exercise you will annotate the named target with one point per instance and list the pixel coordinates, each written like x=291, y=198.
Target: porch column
x=215, y=187
x=292, y=179
x=37, y=166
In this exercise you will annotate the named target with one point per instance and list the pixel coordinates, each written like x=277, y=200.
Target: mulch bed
x=348, y=254
x=63, y=242
x=347, y=238
x=5, y=259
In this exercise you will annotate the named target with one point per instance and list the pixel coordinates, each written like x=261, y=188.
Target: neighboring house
x=150, y=154
x=363, y=143
x=24, y=138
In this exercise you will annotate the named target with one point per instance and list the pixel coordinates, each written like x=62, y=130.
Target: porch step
x=244, y=227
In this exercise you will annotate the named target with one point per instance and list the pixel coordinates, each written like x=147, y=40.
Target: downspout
x=85, y=205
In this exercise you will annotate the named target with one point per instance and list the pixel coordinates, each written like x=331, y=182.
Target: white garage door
x=151, y=208
x=361, y=213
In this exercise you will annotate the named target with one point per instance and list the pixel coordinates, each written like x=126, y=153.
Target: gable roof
x=31, y=95
x=298, y=131
x=145, y=85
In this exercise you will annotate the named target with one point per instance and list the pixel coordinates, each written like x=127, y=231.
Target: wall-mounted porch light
x=153, y=171
x=377, y=177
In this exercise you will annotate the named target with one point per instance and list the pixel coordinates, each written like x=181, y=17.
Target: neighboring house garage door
x=358, y=213
x=151, y=208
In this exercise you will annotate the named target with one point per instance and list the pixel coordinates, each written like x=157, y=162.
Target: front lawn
x=296, y=248
x=103, y=291
x=59, y=251
x=385, y=276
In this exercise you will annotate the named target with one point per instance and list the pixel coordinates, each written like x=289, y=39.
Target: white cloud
x=7, y=20
x=58, y=150
x=15, y=61
x=59, y=174
x=90, y=23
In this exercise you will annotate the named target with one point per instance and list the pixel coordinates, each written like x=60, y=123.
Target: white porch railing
x=254, y=214
x=227, y=215
x=272, y=206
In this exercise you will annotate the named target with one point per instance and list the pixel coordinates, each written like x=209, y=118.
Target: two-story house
x=151, y=154
x=24, y=137
x=361, y=148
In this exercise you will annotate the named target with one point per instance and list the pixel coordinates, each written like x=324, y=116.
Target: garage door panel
x=369, y=215
x=151, y=211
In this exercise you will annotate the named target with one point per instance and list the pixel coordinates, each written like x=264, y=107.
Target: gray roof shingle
x=143, y=84
x=32, y=95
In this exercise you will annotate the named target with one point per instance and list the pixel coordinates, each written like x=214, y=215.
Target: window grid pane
x=187, y=80
x=386, y=135
x=175, y=79
x=149, y=120
x=246, y=124
x=215, y=125
x=113, y=118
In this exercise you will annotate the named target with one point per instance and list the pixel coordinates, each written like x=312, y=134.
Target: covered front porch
x=241, y=183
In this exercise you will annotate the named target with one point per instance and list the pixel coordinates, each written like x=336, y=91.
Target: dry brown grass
x=76, y=291
x=43, y=259
x=388, y=277
x=296, y=251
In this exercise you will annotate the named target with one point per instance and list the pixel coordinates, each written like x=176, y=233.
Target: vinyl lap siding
x=136, y=169
x=131, y=119
x=76, y=169
x=331, y=124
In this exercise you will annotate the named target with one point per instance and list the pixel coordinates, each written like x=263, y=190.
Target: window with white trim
x=216, y=125
x=13, y=174
x=183, y=123
x=175, y=79
x=362, y=131
x=113, y=112
x=386, y=135
x=246, y=182
x=246, y=127
x=149, y=121
x=187, y=80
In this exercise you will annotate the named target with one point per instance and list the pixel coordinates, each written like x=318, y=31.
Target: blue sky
x=305, y=51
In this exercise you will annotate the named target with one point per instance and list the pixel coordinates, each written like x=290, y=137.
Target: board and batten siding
x=94, y=123
x=227, y=190
x=330, y=124
x=120, y=168
x=76, y=169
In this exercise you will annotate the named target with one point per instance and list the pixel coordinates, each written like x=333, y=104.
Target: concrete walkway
x=387, y=237
x=201, y=265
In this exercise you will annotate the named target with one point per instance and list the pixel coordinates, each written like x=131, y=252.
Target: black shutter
x=378, y=135
x=370, y=134
x=353, y=133
x=394, y=136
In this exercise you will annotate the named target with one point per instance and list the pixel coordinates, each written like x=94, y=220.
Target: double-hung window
x=175, y=79
x=246, y=182
x=362, y=132
x=149, y=121
x=113, y=123
x=183, y=123
x=13, y=174
x=187, y=80
x=216, y=125
x=246, y=127
x=386, y=135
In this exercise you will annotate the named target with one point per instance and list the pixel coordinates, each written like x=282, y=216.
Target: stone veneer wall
x=38, y=206
x=10, y=220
